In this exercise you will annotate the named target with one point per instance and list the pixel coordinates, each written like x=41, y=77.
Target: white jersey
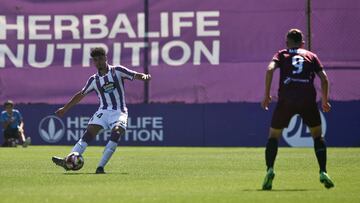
x=110, y=87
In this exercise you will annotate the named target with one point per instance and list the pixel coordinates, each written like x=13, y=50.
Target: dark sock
x=270, y=152
x=320, y=151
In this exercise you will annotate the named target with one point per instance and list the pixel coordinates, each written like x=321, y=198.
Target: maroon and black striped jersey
x=297, y=72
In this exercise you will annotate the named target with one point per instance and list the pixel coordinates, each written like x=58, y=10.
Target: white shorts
x=108, y=119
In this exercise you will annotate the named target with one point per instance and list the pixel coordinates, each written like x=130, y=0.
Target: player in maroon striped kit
x=296, y=95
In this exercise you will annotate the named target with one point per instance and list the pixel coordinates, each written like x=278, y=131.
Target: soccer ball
x=74, y=161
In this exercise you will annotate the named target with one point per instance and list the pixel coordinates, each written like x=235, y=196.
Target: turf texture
x=177, y=174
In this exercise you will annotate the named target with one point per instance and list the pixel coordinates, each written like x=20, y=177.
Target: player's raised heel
x=60, y=162
x=326, y=180
x=270, y=175
x=100, y=170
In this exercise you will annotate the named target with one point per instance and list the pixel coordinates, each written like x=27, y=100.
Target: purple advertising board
x=200, y=51
x=232, y=124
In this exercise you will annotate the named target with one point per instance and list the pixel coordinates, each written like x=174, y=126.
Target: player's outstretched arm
x=142, y=76
x=268, y=79
x=74, y=100
x=324, y=91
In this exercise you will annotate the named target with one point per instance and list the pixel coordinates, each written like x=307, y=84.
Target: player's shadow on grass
x=279, y=190
x=110, y=173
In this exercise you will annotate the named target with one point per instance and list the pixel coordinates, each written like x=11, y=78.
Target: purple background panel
x=335, y=34
x=250, y=33
x=224, y=83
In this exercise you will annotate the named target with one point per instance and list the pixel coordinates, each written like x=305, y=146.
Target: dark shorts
x=11, y=133
x=285, y=110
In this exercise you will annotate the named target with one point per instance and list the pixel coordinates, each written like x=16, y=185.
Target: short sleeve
x=317, y=64
x=89, y=86
x=125, y=72
x=276, y=59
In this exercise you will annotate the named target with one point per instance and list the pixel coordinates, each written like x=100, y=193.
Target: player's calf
x=110, y=148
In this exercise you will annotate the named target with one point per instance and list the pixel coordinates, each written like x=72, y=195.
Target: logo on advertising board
x=297, y=134
x=51, y=129
x=139, y=129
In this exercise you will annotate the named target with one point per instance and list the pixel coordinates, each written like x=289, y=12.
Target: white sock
x=108, y=152
x=80, y=147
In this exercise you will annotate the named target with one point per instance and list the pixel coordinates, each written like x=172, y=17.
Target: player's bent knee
x=275, y=133
x=93, y=129
x=316, y=132
x=116, y=133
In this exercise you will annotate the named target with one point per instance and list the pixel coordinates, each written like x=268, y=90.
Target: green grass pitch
x=171, y=174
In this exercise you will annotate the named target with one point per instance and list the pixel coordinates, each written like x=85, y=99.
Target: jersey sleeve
x=317, y=64
x=276, y=59
x=125, y=72
x=89, y=86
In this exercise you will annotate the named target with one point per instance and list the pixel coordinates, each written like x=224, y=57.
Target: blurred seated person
x=13, y=126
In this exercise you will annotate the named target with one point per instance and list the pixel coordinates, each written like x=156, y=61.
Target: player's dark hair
x=9, y=103
x=98, y=51
x=295, y=35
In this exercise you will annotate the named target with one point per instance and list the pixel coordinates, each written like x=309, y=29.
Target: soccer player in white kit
x=108, y=83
